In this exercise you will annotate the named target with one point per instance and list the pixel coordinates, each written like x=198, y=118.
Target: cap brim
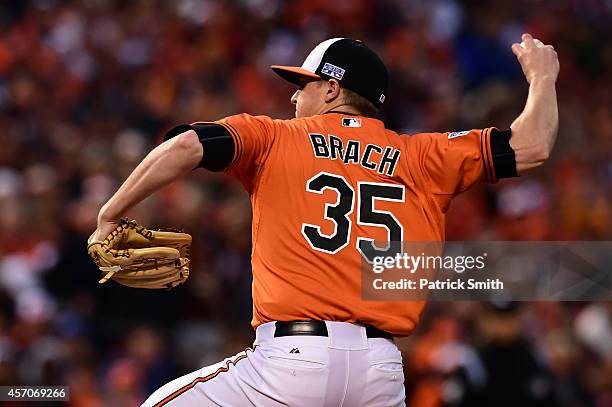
x=293, y=74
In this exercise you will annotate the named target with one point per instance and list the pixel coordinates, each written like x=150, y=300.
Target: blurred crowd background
x=88, y=87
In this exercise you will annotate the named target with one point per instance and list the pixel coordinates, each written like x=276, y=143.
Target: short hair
x=363, y=105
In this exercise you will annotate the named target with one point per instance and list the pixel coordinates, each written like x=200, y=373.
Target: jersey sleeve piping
x=237, y=142
x=487, y=157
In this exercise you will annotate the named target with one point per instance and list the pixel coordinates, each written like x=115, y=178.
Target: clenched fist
x=538, y=61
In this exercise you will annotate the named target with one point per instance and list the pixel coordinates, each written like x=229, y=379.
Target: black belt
x=318, y=328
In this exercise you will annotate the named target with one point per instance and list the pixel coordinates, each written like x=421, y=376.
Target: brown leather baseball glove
x=135, y=256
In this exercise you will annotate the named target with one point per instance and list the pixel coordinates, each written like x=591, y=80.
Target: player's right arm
x=534, y=131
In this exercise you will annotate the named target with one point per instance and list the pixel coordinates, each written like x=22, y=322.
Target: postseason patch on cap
x=333, y=71
x=351, y=122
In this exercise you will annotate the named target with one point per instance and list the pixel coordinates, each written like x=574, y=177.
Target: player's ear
x=332, y=91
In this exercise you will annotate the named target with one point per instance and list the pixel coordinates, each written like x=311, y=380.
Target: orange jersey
x=323, y=188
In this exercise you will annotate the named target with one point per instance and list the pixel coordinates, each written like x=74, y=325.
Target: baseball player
x=324, y=187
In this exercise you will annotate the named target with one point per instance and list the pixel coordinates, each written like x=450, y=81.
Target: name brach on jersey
x=371, y=156
x=437, y=284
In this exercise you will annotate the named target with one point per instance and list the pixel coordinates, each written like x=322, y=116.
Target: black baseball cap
x=355, y=66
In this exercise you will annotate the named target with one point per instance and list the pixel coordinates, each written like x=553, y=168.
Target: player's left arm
x=167, y=162
x=535, y=130
x=236, y=145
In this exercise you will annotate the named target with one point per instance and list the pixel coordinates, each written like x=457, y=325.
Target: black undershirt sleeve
x=216, y=140
x=504, y=160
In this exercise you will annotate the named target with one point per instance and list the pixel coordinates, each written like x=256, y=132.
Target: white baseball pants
x=343, y=369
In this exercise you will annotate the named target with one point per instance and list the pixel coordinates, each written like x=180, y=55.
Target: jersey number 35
x=338, y=212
